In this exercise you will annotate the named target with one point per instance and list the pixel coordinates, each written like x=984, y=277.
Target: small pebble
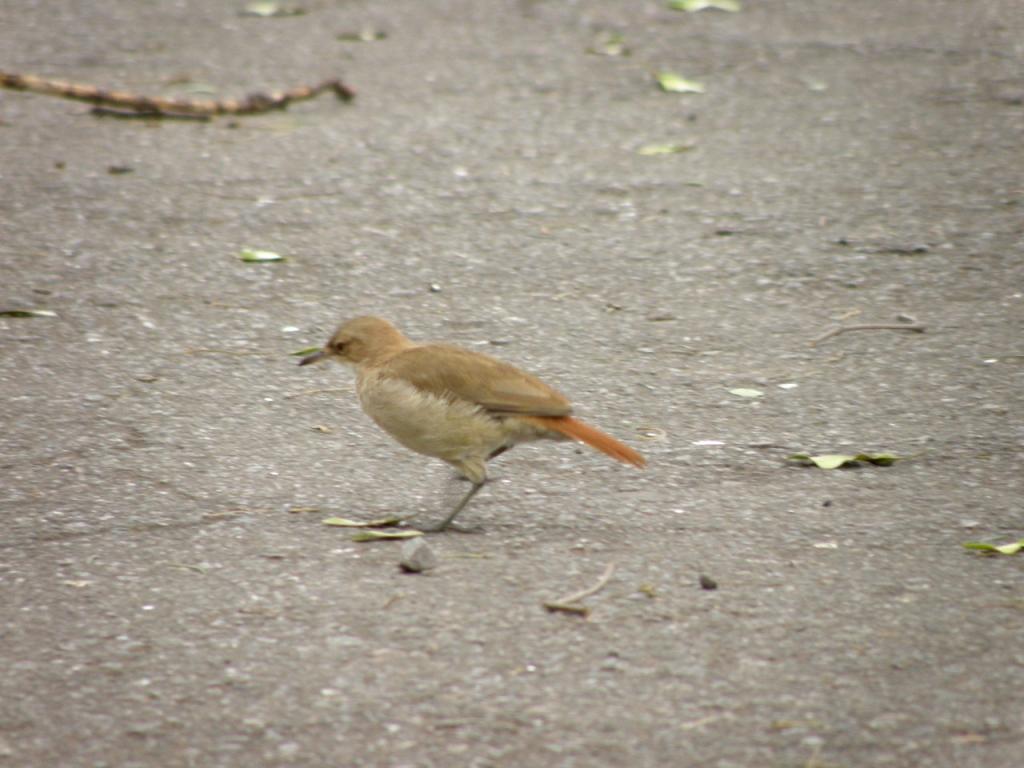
x=706, y=582
x=417, y=556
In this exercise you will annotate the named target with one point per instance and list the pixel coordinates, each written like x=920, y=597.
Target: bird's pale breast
x=427, y=423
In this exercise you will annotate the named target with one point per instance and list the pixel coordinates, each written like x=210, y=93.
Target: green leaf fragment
x=649, y=150
x=836, y=460
x=269, y=8
x=250, y=255
x=743, y=392
x=305, y=351
x=832, y=460
x=261, y=9
x=674, y=83
x=384, y=535
x=27, y=313
x=343, y=522
x=1003, y=549
x=364, y=35
x=609, y=44
x=881, y=459
x=692, y=6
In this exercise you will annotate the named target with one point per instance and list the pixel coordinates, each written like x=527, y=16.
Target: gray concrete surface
x=159, y=606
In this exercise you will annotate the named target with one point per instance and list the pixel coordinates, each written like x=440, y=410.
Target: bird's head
x=360, y=340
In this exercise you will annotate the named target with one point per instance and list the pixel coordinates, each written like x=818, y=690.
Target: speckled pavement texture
x=852, y=162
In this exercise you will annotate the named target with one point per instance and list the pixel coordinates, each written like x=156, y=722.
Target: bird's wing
x=453, y=372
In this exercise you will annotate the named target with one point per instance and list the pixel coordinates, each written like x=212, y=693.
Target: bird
x=454, y=404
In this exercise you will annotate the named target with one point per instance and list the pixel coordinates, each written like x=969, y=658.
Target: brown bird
x=459, y=406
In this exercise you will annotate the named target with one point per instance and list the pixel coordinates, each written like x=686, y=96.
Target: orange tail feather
x=595, y=438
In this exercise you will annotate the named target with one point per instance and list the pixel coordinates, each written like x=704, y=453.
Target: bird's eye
x=338, y=346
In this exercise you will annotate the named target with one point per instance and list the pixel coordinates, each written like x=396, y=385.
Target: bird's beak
x=316, y=357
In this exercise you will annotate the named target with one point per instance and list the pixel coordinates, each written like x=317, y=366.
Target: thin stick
x=915, y=327
x=565, y=604
x=136, y=104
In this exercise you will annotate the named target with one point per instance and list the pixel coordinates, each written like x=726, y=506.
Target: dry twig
x=569, y=603
x=132, y=104
x=912, y=326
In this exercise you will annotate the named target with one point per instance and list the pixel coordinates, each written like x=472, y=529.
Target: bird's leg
x=494, y=454
x=458, y=508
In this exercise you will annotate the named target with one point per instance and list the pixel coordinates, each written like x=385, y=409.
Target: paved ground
x=159, y=606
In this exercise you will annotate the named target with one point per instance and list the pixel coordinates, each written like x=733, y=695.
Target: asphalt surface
x=852, y=163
